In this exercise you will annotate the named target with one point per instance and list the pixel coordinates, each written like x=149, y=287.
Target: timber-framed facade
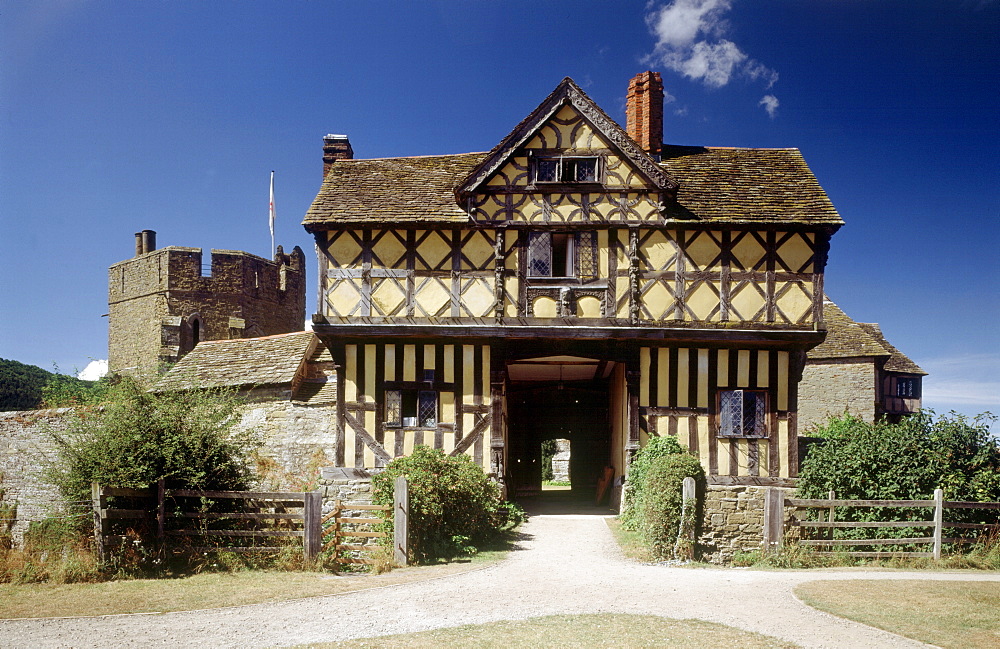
x=572, y=283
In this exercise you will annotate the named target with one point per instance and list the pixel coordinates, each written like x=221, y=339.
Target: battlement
x=162, y=302
x=178, y=268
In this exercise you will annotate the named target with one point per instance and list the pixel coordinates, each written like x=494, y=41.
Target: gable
x=568, y=135
x=567, y=121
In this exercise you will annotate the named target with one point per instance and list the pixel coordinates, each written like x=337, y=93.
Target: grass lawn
x=955, y=614
x=207, y=590
x=558, y=631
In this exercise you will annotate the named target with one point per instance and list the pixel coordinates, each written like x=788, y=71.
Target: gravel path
x=564, y=564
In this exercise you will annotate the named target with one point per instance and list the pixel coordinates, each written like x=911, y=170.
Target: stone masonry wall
x=299, y=438
x=833, y=387
x=26, y=448
x=733, y=522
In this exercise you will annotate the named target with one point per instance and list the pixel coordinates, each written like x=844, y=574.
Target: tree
x=656, y=447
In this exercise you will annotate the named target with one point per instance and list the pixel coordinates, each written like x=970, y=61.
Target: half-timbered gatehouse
x=580, y=281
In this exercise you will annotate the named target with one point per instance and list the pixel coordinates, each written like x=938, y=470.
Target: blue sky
x=118, y=117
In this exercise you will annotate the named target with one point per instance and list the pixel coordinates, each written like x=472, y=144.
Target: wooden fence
x=234, y=521
x=775, y=503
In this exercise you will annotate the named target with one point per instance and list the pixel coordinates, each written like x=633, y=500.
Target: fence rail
x=117, y=510
x=776, y=501
x=187, y=518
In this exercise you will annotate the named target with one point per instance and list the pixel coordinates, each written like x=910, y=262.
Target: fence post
x=938, y=521
x=401, y=516
x=684, y=547
x=95, y=500
x=774, y=519
x=161, y=510
x=312, y=507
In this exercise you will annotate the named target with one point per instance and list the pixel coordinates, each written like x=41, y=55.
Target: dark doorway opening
x=573, y=410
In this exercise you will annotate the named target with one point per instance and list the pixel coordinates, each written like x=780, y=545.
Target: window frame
x=578, y=248
x=913, y=382
x=411, y=396
x=761, y=396
x=561, y=169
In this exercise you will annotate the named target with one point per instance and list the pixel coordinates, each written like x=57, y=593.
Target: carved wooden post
x=938, y=521
x=633, y=276
x=499, y=274
x=774, y=519
x=632, y=389
x=498, y=379
x=400, y=520
x=312, y=507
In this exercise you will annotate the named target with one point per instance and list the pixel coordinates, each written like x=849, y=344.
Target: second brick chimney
x=644, y=111
x=335, y=147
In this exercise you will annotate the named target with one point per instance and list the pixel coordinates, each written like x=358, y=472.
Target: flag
x=270, y=218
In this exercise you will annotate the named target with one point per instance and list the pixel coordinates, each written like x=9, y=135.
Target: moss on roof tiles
x=419, y=189
x=760, y=185
x=231, y=363
x=846, y=338
x=716, y=185
x=898, y=361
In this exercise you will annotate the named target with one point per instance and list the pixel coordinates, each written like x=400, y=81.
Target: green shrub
x=660, y=508
x=655, y=448
x=136, y=437
x=454, y=506
x=904, y=461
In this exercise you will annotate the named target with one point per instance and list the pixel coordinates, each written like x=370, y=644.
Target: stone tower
x=161, y=303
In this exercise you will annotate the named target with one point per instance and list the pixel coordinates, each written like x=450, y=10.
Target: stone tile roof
x=243, y=362
x=755, y=185
x=846, y=338
x=418, y=189
x=898, y=361
x=716, y=185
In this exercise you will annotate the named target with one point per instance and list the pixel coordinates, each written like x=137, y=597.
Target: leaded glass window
x=411, y=408
x=393, y=408
x=742, y=413
x=586, y=255
x=427, y=406
x=539, y=254
x=566, y=169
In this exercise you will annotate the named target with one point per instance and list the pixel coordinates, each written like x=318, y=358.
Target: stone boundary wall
x=296, y=436
x=26, y=450
x=733, y=521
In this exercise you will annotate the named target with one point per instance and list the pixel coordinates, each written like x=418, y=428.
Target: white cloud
x=967, y=380
x=770, y=104
x=689, y=41
x=95, y=369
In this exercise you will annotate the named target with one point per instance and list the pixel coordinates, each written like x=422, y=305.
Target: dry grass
x=948, y=614
x=631, y=543
x=559, y=631
x=207, y=590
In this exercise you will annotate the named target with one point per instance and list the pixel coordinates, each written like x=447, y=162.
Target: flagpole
x=270, y=214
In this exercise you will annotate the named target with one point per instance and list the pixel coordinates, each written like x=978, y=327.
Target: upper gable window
x=566, y=169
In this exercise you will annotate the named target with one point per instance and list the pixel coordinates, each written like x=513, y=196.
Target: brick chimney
x=335, y=147
x=644, y=111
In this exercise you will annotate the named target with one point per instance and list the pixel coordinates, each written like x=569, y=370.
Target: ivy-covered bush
x=904, y=461
x=659, y=511
x=654, y=449
x=454, y=506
